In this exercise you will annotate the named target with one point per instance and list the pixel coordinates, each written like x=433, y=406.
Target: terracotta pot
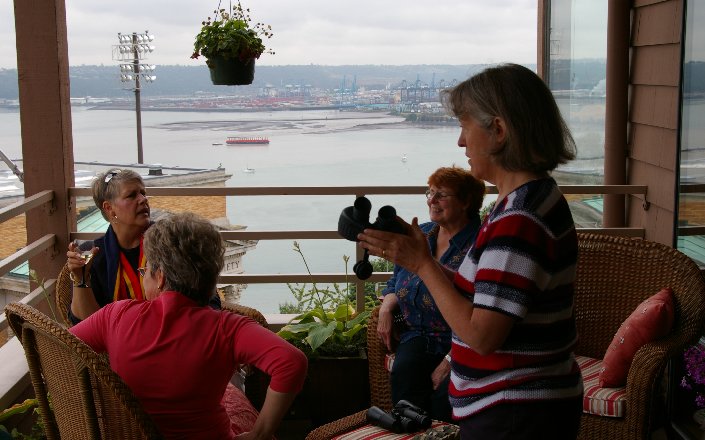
x=231, y=72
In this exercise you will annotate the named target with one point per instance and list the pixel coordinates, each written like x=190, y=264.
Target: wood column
x=616, y=109
x=45, y=117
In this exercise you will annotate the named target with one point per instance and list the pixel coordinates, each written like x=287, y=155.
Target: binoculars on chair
x=355, y=219
x=404, y=417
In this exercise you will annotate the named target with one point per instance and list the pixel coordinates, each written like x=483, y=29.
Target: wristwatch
x=448, y=357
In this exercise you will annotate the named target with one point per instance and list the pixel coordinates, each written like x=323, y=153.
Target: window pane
x=691, y=210
x=576, y=75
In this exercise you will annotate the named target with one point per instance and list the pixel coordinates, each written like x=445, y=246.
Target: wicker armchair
x=380, y=386
x=88, y=400
x=63, y=293
x=616, y=274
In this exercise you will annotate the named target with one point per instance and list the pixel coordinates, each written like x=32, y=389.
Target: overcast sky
x=327, y=32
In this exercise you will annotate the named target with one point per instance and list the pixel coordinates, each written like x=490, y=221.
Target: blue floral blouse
x=415, y=301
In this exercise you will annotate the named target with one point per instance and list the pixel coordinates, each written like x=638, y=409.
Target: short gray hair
x=538, y=139
x=189, y=251
x=107, y=185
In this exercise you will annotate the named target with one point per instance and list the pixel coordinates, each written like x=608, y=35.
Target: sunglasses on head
x=109, y=176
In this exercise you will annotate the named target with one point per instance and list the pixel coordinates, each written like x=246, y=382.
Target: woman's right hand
x=385, y=322
x=384, y=328
x=75, y=260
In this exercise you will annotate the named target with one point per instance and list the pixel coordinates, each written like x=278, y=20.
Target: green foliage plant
x=231, y=35
x=37, y=432
x=327, y=324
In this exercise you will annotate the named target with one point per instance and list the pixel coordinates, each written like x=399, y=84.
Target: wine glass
x=86, y=255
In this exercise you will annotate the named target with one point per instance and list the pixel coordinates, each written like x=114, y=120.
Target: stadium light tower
x=131, y=51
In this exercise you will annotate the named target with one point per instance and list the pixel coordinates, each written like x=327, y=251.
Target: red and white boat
x=243, y=140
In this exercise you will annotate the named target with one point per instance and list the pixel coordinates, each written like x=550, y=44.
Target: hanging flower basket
x=231, y=71
x=226, y=40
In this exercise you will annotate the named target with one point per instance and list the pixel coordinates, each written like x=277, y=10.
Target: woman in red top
x=176, y=354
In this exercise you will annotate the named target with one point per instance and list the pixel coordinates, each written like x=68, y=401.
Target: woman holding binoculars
x=510, y=304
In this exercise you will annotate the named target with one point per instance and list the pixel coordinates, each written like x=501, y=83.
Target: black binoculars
x=404, y=417
x=355, y=219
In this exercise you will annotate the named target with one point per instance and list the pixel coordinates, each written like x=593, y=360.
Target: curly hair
x=109, y=191
x=189, y=251
x=467, y=188
x=538, y=139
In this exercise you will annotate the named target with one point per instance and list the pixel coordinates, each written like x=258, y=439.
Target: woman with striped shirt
x=510, y=304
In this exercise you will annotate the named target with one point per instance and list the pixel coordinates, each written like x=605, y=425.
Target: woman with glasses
x=510, y=304
x=105, y=270
x=421, y=363
x=177, y=355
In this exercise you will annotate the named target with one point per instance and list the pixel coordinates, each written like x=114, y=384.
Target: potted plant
x=231, y=44
x=334, y=338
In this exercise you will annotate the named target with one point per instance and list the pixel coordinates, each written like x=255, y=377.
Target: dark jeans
x=411, y=378
x=556, y=420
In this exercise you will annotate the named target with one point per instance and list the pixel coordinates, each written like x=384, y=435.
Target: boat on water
x=244, y=140
x=248, y=170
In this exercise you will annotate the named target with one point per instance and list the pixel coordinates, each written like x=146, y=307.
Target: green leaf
x=359, y=319
x=19, y=408
x=319, y=335
x=299, y=328
x=344, y=312
x=353, y=331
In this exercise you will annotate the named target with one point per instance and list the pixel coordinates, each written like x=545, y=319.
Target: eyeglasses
x=142, y=271
x=430, y=195
x=110, y=175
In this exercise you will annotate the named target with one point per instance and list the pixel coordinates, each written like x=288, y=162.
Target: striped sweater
x=523, y=265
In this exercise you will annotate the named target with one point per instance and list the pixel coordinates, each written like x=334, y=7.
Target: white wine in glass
x=86, y=255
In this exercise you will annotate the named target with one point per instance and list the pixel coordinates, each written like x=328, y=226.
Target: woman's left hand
x=440, y=373
x=408, y=250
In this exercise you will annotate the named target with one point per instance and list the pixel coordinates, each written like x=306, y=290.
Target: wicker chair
x=88, y=400
x=380, y=386
x=616, y=274
x=63, y=293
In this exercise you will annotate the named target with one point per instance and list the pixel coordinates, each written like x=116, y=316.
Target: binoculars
x=356, y=218
x=404, y=417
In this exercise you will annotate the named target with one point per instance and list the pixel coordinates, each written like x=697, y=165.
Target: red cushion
x=651, y=320
x=241, y=412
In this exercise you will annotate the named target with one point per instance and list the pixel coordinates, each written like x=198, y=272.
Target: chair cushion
x=609, y=402
x=241, y=412
x=651, y=320
x=438, y=430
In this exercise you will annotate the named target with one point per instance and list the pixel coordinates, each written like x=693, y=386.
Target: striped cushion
x=388, y=361
x=438, y=430
x=608, y=402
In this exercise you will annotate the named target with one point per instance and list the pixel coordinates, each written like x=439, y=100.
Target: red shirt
x=177, y=358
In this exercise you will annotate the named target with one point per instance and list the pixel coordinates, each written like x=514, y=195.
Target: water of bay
x=308, y=148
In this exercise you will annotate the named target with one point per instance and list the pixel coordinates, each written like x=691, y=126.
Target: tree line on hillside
x=103, y=81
